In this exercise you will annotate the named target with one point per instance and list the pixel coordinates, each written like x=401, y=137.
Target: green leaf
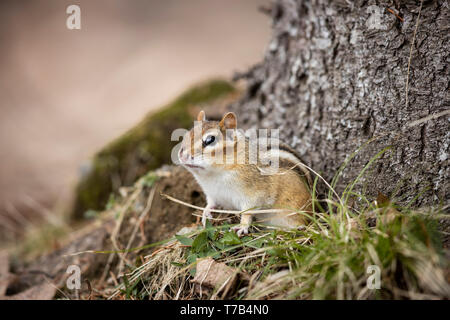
x=256, y=243
x=200, y=242
x=211, y=231
x=184, y=240
x=177, y=264
x=213, y=254
x=190, y=260
x=220, y=245
x=230, y=238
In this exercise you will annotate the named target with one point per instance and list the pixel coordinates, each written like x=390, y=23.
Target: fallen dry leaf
x=44, y=291
x=214, y=274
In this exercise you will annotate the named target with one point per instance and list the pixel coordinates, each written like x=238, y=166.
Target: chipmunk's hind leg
x=242, y=228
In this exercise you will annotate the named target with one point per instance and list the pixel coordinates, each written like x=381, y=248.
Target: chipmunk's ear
x=201, y=116
x=228, y=121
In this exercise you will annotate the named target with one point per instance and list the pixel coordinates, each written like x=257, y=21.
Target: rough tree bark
x=335, y=75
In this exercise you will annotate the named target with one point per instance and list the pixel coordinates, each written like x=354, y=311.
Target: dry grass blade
x=136, y=226
x=160, y=274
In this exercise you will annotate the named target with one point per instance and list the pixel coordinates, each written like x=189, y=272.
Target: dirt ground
x=65, y=93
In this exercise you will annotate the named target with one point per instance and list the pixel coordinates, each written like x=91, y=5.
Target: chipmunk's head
x=208, y=142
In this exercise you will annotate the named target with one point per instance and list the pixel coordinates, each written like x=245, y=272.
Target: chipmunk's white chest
x=224, y=190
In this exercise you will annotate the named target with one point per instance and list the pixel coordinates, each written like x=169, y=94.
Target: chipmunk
x=218, y=156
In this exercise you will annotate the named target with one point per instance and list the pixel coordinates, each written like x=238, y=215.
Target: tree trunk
x=338, y=74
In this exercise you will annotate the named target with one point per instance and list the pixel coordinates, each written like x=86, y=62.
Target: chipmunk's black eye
x=208, y=140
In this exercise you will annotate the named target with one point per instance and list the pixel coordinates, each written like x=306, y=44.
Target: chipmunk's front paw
x=240, y=230
x=206, y=216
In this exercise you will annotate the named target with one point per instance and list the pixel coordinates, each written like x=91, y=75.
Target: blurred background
x=66, y=93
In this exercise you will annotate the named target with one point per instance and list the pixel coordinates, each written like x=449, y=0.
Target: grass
x=330, y=258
